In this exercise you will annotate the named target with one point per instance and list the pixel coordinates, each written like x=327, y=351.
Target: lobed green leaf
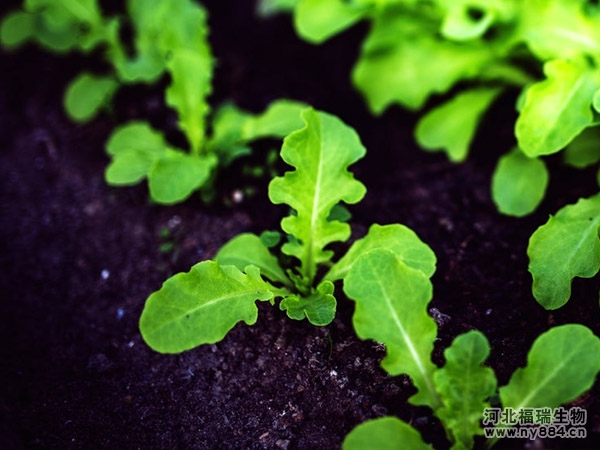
x=399, y=239
x=404, y=60
x=561, y=365
x=567, y=246
x=201, y=306
x=318, y=306
x=584, y=150
x=320, y=153
x=519, y=183
x=556, y=109
x=279, y=119
x=386, y=433
x=391, y=307
x=464, y=386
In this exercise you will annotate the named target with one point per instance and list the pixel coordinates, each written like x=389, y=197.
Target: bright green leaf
x=519, y=183
x=584, y=150
x=226, y=139
x=452, y=125
x=16, y=28
x=320, y=153
x=556, y=109
x=386, y=433
x=391, y=307
x=279, y=119
x=567, y=246
x=318, y=307
x=191, y=73
x=133, y=148
x=318, y=20
x=404, y=60
x=175, y=175
x=87, y=94
x=464, y=386
x=561, y=365
x=247, y=249
x=398, y=239
x=201, y=306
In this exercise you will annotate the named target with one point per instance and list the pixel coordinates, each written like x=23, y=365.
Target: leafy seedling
x=391, y=307
x=202, y=305
x=471, y=52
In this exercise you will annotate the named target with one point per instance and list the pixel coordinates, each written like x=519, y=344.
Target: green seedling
x=471, y=52
x=391, y=307
x=202, y=305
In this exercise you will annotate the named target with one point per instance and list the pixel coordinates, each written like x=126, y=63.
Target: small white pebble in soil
x=120, y=313
x=174, y=222
x=488, y=311
x=237, y=196
x=130, y=344
x=104, y=274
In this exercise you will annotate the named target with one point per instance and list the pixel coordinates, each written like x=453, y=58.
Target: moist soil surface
x=79, y=258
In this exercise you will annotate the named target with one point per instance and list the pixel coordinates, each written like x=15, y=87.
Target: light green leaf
x=452, y=125
x=133, y=148
x=584, y=150
x=247, y=249
x=226, y=139
x=278, y=120
x=175, y=175
x=15, y=29
x=201, y=306
x=556, y=109
x=386, y=433
x=404, y=60
x=87, y=94
x=561, y=365
x=460, y=23
x=464, y=386
x=519, y=183
x=391, y=307
x=558, y=29
x=318, y=20
x=321, y=153
x=318, y=306
x=191, y=73
x=399, y=239
x=267, y=8
x=567, y=246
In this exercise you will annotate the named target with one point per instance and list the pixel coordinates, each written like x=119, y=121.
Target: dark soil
x=79, y=258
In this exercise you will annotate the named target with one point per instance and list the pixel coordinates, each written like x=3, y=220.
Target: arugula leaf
x=567, y=246
x=175, y=175
x=16, y=28
x=87, y=94
x=318, y=20
x=247, y=249
x=556, y=109
x=399, y=239
x=318, y=306
x=134, y=148
x=404, y=60
x=519, y=183
x=452, y=125
x=321, y=153
x=564, y=353
x=191, y=73
x=179, y=316
x=391, y=307
x=464, y=386
x=386, y=433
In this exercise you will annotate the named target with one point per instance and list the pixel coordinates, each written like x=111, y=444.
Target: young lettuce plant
x=140, y=152
x=472, y=51
x=202, y=305
x=391, y=307
x=168, y=37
